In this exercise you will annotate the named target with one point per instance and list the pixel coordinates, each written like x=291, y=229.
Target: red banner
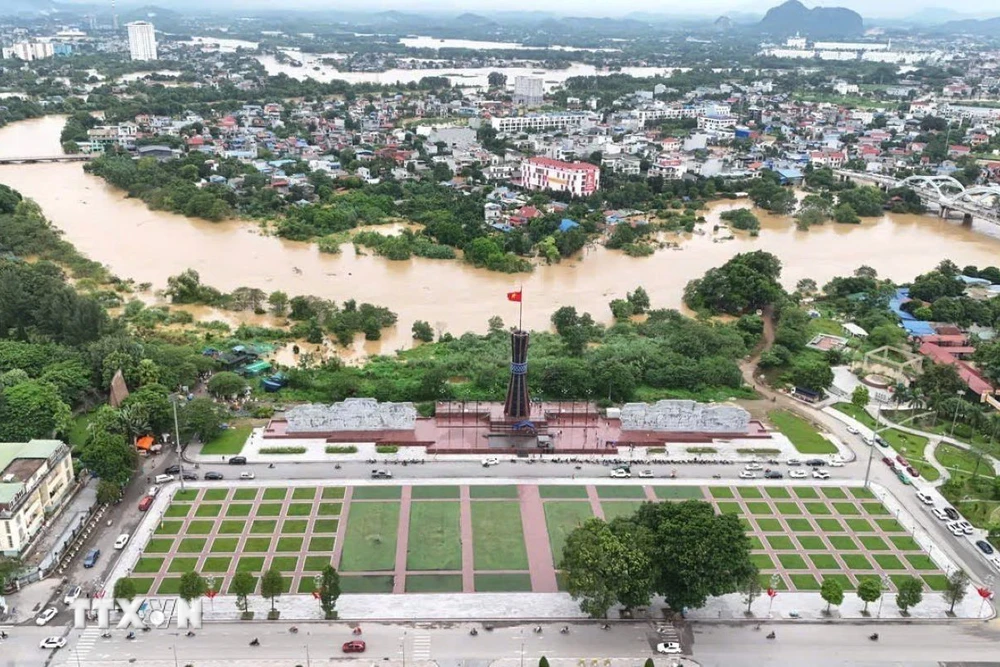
x=211, y=594
x=984, y=593
x=771, y=592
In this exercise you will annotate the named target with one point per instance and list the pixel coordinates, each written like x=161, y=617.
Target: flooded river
x=149, y=246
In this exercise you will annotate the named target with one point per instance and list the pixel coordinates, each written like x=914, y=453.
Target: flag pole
x=520, y=306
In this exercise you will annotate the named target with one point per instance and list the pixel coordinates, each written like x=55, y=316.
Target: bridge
x=35, y=159
x=980, y=202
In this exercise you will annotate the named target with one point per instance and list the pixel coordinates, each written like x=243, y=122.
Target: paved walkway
x=536, y=539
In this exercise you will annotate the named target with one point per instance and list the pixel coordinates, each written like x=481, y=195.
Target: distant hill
x=794, y=17
x=971, y=26
x=723, y=23
x=12, y=7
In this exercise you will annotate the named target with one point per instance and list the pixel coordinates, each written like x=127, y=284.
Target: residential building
x=578, y=178
x=29, y=51
x=141, y=40
x=548, y=121
x=528, y=90
x=716, y=123
x=35, y=479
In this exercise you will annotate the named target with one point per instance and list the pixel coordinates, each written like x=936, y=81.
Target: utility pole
x=874, y=442
x=177, y=442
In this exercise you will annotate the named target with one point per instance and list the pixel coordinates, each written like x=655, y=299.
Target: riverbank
x=149, y=246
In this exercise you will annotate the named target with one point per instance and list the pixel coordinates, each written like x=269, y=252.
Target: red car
x=913, y=471
x=356, y=646
x=886, y=460
x=903, y=462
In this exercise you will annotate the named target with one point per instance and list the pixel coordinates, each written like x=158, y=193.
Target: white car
x=753, y=466
x=646, y=474
x=746, y=474
x=798, y=474
x=620, y=473
x=71, y=595
x=491, y=461
x=939, y=513
x=956, y=530
x=836, y=464
x=925, y=498
x=821, y=474
x=964, y=526
x=122, y=541
x=46, y=616
x=852, y=430
x=246, y=474
x=668, y=647
x=794, y=462
x=153, y=490
x=53, y=642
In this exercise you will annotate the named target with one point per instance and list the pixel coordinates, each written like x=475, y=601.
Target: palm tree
x=134, y=421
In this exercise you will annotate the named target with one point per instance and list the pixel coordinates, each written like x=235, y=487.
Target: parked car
x=71, y=595
x=122, y=541
x=955, y=530
x=356, y=646
x=965, y=526
x=753, y=466
x=952, y=513
x=821, y=474
x=798, y=474
x=904, y=480
x=247, y=474
x=903, y=462
x=815, y=462
x=490, y=461
x=46, y=616
x=213, y=476
x=773, y=474
x=646, y=474
x=746, y=474
x=668, y=647
x=886, y=460
x=913, y=471
x=189, y=477
x=163, y=479
x=237, y=460
x=852, y=430
x=836, y=464
x=939, y=513
x=620, y=473
x=793, y=462
x=925, y=498
x=381, y=474
x=175, y=469
x=52, y=642
x=145, y=503
x=90, y=560
x=152, y=491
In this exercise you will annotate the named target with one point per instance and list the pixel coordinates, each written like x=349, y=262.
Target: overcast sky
x=602, y=8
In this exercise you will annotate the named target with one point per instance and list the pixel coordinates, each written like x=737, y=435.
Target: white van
x=163, y=479
x=121, y=541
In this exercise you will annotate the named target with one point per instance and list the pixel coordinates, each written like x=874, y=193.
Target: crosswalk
x=86, y=641
x=421, y=646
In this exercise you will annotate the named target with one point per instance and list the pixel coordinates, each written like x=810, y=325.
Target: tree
x=695, y=552
x=845, y=213
x=639, y=300
x=750, y=589
x=272, y=583
x=909, y=593
x=812, y=373
x=621, y=309
x=496, y=79
x=806, y=286
x=9, y=569
x=110, y=457
x=832, y=593
x=860, y=396
x=605, y=566
x=30, y=410
x=225, y=384
x=329, y=590
x=958, y=584
x=192, y=586
x=543, y=662
x=278, y=301
x=869, y=590
x=108, y=492
x=200, y=417
x=242, y=587
x=745, y=283
x=124, y=589
x=422, y=331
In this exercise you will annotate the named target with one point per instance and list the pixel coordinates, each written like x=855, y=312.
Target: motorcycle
x=357, y=630
x=606, y=627
x=473, y=632
x=771, y=635
x=106, y=635
x=189, y=633
x=130, y=635
x=293, y=629
x=254, y=642
x=537, y=629
x=564, y=630
x=873, y=636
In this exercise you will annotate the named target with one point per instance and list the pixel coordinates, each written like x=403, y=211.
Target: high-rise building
x=29, y=50
x=141, y=40
x=528, y=90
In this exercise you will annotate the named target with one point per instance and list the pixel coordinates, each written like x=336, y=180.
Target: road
x=817, y=645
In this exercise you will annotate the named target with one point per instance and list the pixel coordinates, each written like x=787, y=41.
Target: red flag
x=514, y=296
x=771, y=592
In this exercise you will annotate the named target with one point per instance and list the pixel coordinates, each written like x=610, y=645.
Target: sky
x=883, y=8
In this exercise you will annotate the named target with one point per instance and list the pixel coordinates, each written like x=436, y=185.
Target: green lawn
x=192, y=545
x=435, y=536
x=289, y=544
x=148, y=564
x=804, y=582
x=225, y=545
x=678, y=492
x=721, y=492
x=762, y=561
x=616, y=508
x=792, y=561
x=275, y=493
x=751, y=492
x=434, y=583
x=960, y=460
x=778, y=493
x=799, y=525
x=561, y=517
x=321, y=544
x=842, y=542
x=430, y=492
x=304, y=493
x=376, y=493
x=239, y=509
x=620, y=492
x=216, y=564
x=245, y=494
x=770, y=525
x=503, y=583
x=294, y=526
x=331, y=492
x=370, y=584
x=325, y=525
x=158, y=545
x=780, y=542
x=493, y=491
x=497, y=536
x=169, y=527
x=562, y=491
x=228, y=442
x=802, y=434
x=811, y=542
x=824, y=561
x=215, y=495
x=370, y=541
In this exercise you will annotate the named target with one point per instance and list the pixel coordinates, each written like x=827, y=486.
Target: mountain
x=971, y=26
x=12, y=7
x=794, y=17
x=723, y=23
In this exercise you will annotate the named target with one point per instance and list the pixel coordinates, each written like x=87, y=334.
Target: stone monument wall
x=353, y=414
x=684, y=416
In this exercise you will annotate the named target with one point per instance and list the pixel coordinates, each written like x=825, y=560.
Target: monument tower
x=517, y=405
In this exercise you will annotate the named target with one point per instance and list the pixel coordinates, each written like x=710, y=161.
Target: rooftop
x=21, y=459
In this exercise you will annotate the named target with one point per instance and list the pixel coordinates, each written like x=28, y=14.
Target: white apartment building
x=35, y=479
x=29, y=51
x=578, y=178
x=528, y=90
x=141, y=40
x=716, y=123
x=547, y=121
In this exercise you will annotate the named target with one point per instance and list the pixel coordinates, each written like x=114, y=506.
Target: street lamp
x=874, y=442
x=177, y=441
x=885, y=586
x=958, y=404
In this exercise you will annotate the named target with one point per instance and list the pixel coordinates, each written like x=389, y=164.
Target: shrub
x=283, y=450
x=386, y=449
x=341, y=449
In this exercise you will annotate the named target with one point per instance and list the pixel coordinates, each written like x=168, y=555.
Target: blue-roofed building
x=789, y=176
x=568, y=224
x=970, y=280
x=918, y=328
